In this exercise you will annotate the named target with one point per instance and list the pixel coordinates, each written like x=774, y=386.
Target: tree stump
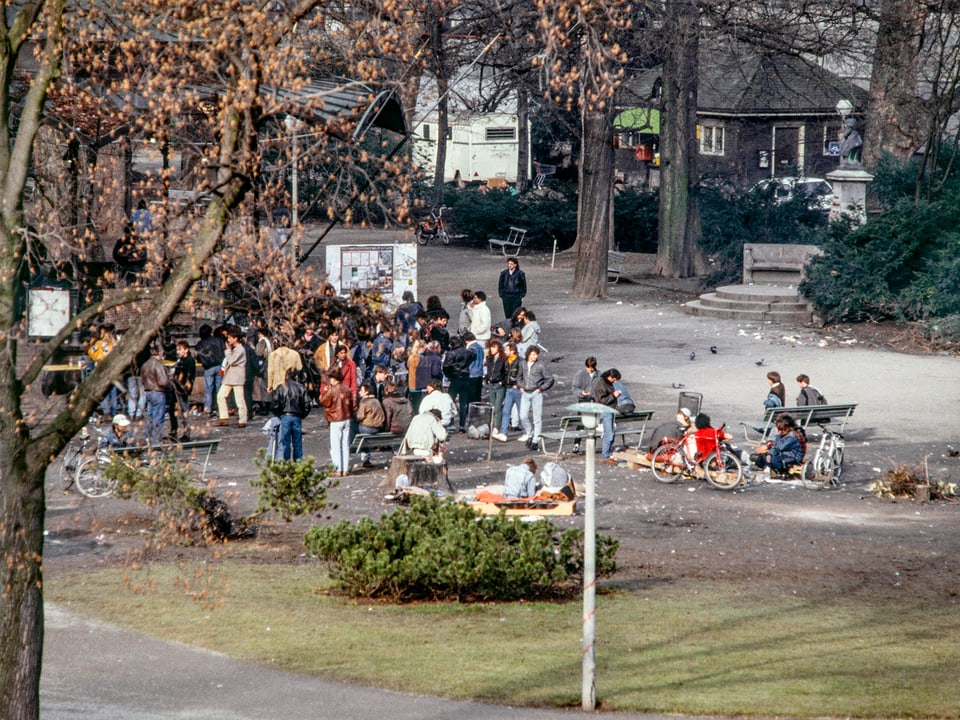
x=421, y=472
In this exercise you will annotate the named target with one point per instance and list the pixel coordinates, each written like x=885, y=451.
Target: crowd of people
x=405, y=372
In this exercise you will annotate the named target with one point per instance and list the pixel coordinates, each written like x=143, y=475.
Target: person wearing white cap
x=673, y=430
x=119, y=435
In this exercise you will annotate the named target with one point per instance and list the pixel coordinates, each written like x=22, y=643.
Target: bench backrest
x=516, y=236
x=805, y=415
x=615, y=260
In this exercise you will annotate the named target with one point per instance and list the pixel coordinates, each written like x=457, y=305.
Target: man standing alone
x=512, y=287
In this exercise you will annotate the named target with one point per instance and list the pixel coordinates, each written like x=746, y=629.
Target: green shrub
x=635, y=222
x=185, y=512
x=903, y=264
x=729, y=219
x=444, y=551
x=292, y=487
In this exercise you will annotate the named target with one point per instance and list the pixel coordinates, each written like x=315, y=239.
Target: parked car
x=819, y=192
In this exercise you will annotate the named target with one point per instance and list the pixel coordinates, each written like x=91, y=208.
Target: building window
x=711, y=140
x=500, y=134
x=426, y=131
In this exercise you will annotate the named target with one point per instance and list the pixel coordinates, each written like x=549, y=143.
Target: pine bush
x=440, y=550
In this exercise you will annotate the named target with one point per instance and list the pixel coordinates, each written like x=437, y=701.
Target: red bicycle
x=721, y=467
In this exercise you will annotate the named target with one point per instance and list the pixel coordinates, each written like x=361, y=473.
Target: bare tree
x=208, y=66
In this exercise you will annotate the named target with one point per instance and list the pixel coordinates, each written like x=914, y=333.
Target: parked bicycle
x=81, y=465
x=824, y=470
x=721, y=468
x=433, y=227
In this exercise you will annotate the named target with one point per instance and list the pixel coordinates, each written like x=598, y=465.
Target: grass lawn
x=677, y=649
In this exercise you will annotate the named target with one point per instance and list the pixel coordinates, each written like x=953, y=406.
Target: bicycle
x=73, y=455
x=721, y=468
x=433, y=227
x=824, y=470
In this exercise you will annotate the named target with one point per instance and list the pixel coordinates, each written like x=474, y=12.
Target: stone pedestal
x=420, y=471
x=849, y=193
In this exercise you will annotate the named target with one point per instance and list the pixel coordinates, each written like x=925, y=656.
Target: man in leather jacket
x=291, y=403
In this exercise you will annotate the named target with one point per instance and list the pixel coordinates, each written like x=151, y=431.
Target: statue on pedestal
x=851, y=145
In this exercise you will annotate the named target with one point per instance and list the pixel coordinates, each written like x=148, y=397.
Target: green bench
x=192, y=449
x=376, y=441
x=804, y=415
x=634, y=423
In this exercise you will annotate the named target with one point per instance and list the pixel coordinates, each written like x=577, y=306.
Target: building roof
x=736, y=79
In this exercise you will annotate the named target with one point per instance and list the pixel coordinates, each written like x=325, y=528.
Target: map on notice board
x=390, y=269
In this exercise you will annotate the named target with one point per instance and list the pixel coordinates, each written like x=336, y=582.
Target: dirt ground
x=776, y=536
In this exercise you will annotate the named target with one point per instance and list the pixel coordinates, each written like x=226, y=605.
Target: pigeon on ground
x=693, y=356
x=759, y=362
x=713, y=349
x=558, y=358
x=677, y=386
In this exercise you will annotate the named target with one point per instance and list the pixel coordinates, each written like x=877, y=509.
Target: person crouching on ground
x=784, y=450
x=521, y=480
x=424, y=435
x=337, y=403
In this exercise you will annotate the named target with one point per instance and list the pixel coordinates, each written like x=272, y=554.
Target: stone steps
x=765, y=303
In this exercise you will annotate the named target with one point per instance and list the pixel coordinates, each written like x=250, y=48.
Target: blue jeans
x=607, y=421
x=211, y=385
x=291, y=437
x=531, y=402
x=136, y=400
x=111, y=402
x=156, y=410
x=511, y=399
x=340, y=445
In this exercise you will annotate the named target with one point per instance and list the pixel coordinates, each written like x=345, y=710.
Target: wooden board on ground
x=633, y=458
x=528, y=507
x=420, y=472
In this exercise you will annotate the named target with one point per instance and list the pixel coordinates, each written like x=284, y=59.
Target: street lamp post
x=590, y=413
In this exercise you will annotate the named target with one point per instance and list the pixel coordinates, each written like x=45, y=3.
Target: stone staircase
x=773, y=303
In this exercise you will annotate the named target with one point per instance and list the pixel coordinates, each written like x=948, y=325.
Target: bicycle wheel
x=662, y=466
x=444, y=237
x=810, y=478
x=69, y=461
x=90, y=480
x=422, y=237
x=723, y=470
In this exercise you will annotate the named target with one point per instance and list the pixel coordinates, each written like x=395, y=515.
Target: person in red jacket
x=337, y=403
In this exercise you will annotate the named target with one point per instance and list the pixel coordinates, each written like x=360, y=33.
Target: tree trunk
x=523, y=139
x=894, y=113
x=595, y=206
x=21, y=612
x=677, y=252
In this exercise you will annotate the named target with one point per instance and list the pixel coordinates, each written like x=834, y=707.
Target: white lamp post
x=590, y=413
x=844, y=108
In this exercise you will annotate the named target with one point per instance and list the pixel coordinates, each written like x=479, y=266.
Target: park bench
x=376, y=441
x=634, y=423
x=804, y=415
x=511, y=245
x=776, y=262
x=189, y=449
x=615, y=262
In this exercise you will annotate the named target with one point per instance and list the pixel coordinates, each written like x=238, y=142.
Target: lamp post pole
x=590, y=413
x=588, y=697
